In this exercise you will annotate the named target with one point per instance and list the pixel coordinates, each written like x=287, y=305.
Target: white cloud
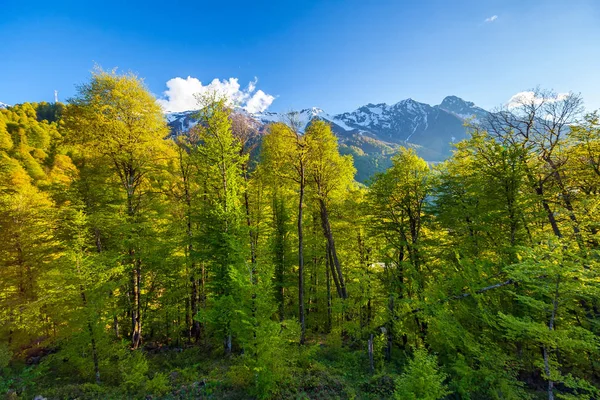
x=491, y=19
x=181, y=94
x=530, y=97
x=252, y=85
x=259, y=102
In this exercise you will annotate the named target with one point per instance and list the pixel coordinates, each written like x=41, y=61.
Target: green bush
x=421, y=379
x=381, y=385
x=134, y=370
x=158, y=385
x=81, y=391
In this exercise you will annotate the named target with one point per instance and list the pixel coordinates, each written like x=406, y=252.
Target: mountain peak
x=313, y=111
x=406, y=101
x=461, y=108
x=451, y=102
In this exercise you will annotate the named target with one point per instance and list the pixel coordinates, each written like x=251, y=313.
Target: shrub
x=421, y=379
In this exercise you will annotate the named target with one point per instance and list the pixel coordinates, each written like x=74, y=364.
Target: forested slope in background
x=135, y=264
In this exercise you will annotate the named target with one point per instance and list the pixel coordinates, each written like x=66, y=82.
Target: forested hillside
x=138, y=265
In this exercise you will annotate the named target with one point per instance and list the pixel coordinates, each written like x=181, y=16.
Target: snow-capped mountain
x=406, y=121
x=396, y=122
x=463, y=109
x=181, y=121
x=303, y=116
x=378, y=129
x=3, y=105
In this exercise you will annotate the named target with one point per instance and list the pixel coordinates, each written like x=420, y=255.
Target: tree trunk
x=95, y=355
x=328, y=278
x=365, y=319
x=369, y=306
x=253, y=245
x=301, y=258
x=566, y=198
x=329, y=236
x=195, y=297
x=280, y=231
x=116, y=326
x=545, y=348
x=194, y=327
x=136, y=318
x=332, y=270
x=136, y=275
x=371, y=360
x=539, y=190
x=90, y=329
x=390, y=338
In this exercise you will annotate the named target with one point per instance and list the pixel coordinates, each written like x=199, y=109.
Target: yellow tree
x=285, y=155
x=332, y=175
x=118, y=120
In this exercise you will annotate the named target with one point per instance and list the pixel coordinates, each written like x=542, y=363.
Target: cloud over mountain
x=182, y=94
x=531, y=97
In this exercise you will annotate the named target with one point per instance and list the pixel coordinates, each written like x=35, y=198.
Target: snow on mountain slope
x=303, y=116
x=395, y=122
x=462, y=109
x=372, y=132
x=3, y=105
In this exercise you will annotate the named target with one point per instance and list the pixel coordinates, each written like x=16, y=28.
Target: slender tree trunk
x=366, y=287
x=253, y=279
x=328, y=278
x=194, y=326
x=98, y=241
x=539, y=190
x=390, y=336
x=136, y=318
x=369, y=306
x=547, y=370
x=228, y=343
x=371, y=360
x=332, y=270
x=329, y=236
x=545, y=348
x=116, y=325
x=136, y=273
x=94, y=355
x=253, y=235
x=280, y=231
x=195, y=298
x=301, y=257
x=316, y=287
x=89, y=326
x=566, y=199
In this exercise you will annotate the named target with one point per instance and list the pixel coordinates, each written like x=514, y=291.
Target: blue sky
x=336, y=55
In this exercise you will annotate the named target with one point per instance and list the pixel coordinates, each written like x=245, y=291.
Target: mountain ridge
x=373, y=132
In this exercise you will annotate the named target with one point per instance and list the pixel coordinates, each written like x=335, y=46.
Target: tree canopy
x=237, y=261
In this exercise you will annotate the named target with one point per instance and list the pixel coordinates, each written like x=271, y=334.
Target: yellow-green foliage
x=134, y=265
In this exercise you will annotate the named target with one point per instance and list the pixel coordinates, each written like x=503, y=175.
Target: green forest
x=234, y=262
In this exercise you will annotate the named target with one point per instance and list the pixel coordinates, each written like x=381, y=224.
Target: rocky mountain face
x=462, y=109
x=373, y=132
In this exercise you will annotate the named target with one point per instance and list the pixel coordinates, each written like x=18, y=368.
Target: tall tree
x=285, y=153
x=397, y=208
x=217, y=152
x=117, y=117
x=332, y=175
